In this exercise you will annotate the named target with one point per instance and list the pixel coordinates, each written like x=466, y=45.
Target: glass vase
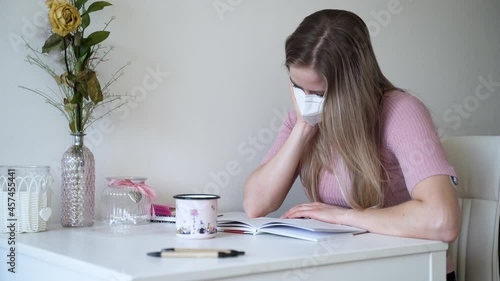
x=77, y=185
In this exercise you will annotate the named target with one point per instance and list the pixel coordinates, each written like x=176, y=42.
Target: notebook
x=306, y=229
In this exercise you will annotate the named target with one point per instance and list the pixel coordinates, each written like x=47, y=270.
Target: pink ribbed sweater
x=411, y=151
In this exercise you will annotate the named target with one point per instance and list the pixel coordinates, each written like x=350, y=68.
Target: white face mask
x=310, y=106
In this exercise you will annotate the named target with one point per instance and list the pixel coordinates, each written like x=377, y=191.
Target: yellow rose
x=63, y=17
x=50, y=2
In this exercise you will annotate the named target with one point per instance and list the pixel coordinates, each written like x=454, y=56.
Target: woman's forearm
x=409, y=219
x=266, y=188
x=433, y=213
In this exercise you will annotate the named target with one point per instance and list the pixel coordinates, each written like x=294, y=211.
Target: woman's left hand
x=318, y=211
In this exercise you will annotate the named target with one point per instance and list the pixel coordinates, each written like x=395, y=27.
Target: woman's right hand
x=301, y=122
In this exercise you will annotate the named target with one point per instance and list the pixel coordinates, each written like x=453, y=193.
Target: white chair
x=477, y=162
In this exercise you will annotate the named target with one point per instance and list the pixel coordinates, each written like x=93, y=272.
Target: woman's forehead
x=307, y=78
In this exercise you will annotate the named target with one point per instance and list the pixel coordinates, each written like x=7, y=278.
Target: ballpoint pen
x=195, y=253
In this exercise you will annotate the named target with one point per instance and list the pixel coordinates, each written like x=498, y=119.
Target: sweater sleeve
x=283, y=134
x=412, y=138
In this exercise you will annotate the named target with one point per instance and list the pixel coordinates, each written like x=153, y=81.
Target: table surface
x=121, y=251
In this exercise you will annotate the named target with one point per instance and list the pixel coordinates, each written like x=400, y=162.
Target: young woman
x=367, y=152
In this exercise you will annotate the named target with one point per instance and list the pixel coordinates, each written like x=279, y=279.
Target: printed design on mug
x=197, y=225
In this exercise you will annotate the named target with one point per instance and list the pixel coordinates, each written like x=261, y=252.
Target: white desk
x=96, y=253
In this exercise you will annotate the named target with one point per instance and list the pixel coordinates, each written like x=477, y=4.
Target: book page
x=240, y=220
x=310, y=225
x=299, y=233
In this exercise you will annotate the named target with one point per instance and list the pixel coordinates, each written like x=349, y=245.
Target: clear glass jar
x=124, y=204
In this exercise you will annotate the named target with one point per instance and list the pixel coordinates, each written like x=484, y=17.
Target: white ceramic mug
x=196, y=215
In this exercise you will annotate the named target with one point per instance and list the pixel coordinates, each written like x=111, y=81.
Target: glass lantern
x=25, y=198
x=122, y=203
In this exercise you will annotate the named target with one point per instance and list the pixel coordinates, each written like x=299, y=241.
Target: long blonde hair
x=337, y=45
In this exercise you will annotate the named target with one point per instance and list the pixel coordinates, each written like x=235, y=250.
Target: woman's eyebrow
x=295, y=84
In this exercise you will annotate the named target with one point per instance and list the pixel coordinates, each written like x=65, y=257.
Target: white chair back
x=476, y=160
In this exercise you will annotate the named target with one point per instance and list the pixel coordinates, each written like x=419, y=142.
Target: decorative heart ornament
x=135, y=196
x=45, y=213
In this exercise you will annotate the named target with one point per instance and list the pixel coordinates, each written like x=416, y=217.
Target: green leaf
x=96, y=6
x=84, y=54
x=85, y=20
x=84, y=49
x=95, y=38
x=79, y=3
x=54, y=41
x=82, y=60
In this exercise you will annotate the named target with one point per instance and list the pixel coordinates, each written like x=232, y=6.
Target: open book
x=307, y=229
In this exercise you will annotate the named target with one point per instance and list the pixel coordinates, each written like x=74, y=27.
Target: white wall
x=226, y=86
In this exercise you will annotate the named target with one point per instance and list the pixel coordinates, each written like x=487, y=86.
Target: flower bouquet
x=79, y=94
x=80, y=91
